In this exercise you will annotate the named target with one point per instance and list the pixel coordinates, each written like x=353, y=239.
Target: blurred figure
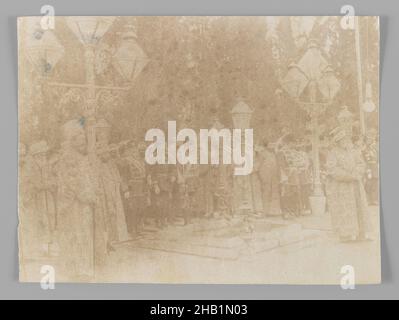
x=371, y=156
x=133, y=172
x=40, y=210
x=303, y=165
x=268, y=172
x=287, y=156
x=188, y=182
x=162, y=181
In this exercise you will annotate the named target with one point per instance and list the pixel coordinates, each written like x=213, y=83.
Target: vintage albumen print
x=199, y=149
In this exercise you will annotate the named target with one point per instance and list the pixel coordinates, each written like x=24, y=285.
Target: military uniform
x=295, y=179
x=163, y=184
x=135, y=190
x=189, y=184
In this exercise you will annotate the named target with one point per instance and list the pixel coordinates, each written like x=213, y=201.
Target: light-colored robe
x=346, y=196
x=80, y=227
x=115, y=216
x=38, y=210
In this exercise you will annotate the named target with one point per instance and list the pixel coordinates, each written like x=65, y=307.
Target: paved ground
x=302, y=250
x=261, y=250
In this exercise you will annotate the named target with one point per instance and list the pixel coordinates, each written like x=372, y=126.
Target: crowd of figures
x=79, y=207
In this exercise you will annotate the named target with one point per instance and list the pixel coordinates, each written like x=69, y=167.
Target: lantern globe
x=369, y=105
x=241, y=114
x=295, y=82
x=42, y=47
x=129, y=59
x=89, y=29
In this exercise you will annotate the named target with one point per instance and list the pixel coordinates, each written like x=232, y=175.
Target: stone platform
x=219, y=238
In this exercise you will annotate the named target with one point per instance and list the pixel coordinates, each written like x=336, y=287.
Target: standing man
x=110, y=181
x=346, y=196
x=41, y=209
x=189, y=183
x=303, y=165
x=80, y=227
x=371, y=157
x=290, y=182
x=134, y=186
x=162, y=181
x=268, y=172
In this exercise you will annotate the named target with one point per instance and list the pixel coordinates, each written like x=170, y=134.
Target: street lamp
x=129, y=59
x=313, y=84
x=42, y=46
x=241, y=114
x=89, y=30
x=44, y=51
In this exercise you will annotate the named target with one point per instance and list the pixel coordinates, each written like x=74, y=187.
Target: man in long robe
x=80, y=227
x=39, y=214
x=110, y=182
x=346, y=196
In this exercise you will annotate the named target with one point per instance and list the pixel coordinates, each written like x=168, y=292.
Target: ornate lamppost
x=89, y=30
x=129, y=60
x=312, y=83
x=241, y=114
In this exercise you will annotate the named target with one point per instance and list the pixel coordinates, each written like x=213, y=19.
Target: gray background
x=9, y=286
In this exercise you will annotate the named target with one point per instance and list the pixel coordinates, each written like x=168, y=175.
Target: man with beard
x=345, y=192
x=80, y=227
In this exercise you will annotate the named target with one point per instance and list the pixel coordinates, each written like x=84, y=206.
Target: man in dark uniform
x=162, y=180
x=189, y=183
x=134, y=186
x=291, y=201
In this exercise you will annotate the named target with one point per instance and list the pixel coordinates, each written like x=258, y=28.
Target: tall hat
x=39, y=147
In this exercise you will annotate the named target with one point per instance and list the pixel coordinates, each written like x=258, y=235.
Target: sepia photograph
x=199, y=149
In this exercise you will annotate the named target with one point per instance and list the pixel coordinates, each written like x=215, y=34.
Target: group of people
x=283, y=177
x=80, y=206
x=349, y=177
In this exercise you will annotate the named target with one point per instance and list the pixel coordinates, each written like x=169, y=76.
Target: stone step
x=190, y=249
x=226, y=245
